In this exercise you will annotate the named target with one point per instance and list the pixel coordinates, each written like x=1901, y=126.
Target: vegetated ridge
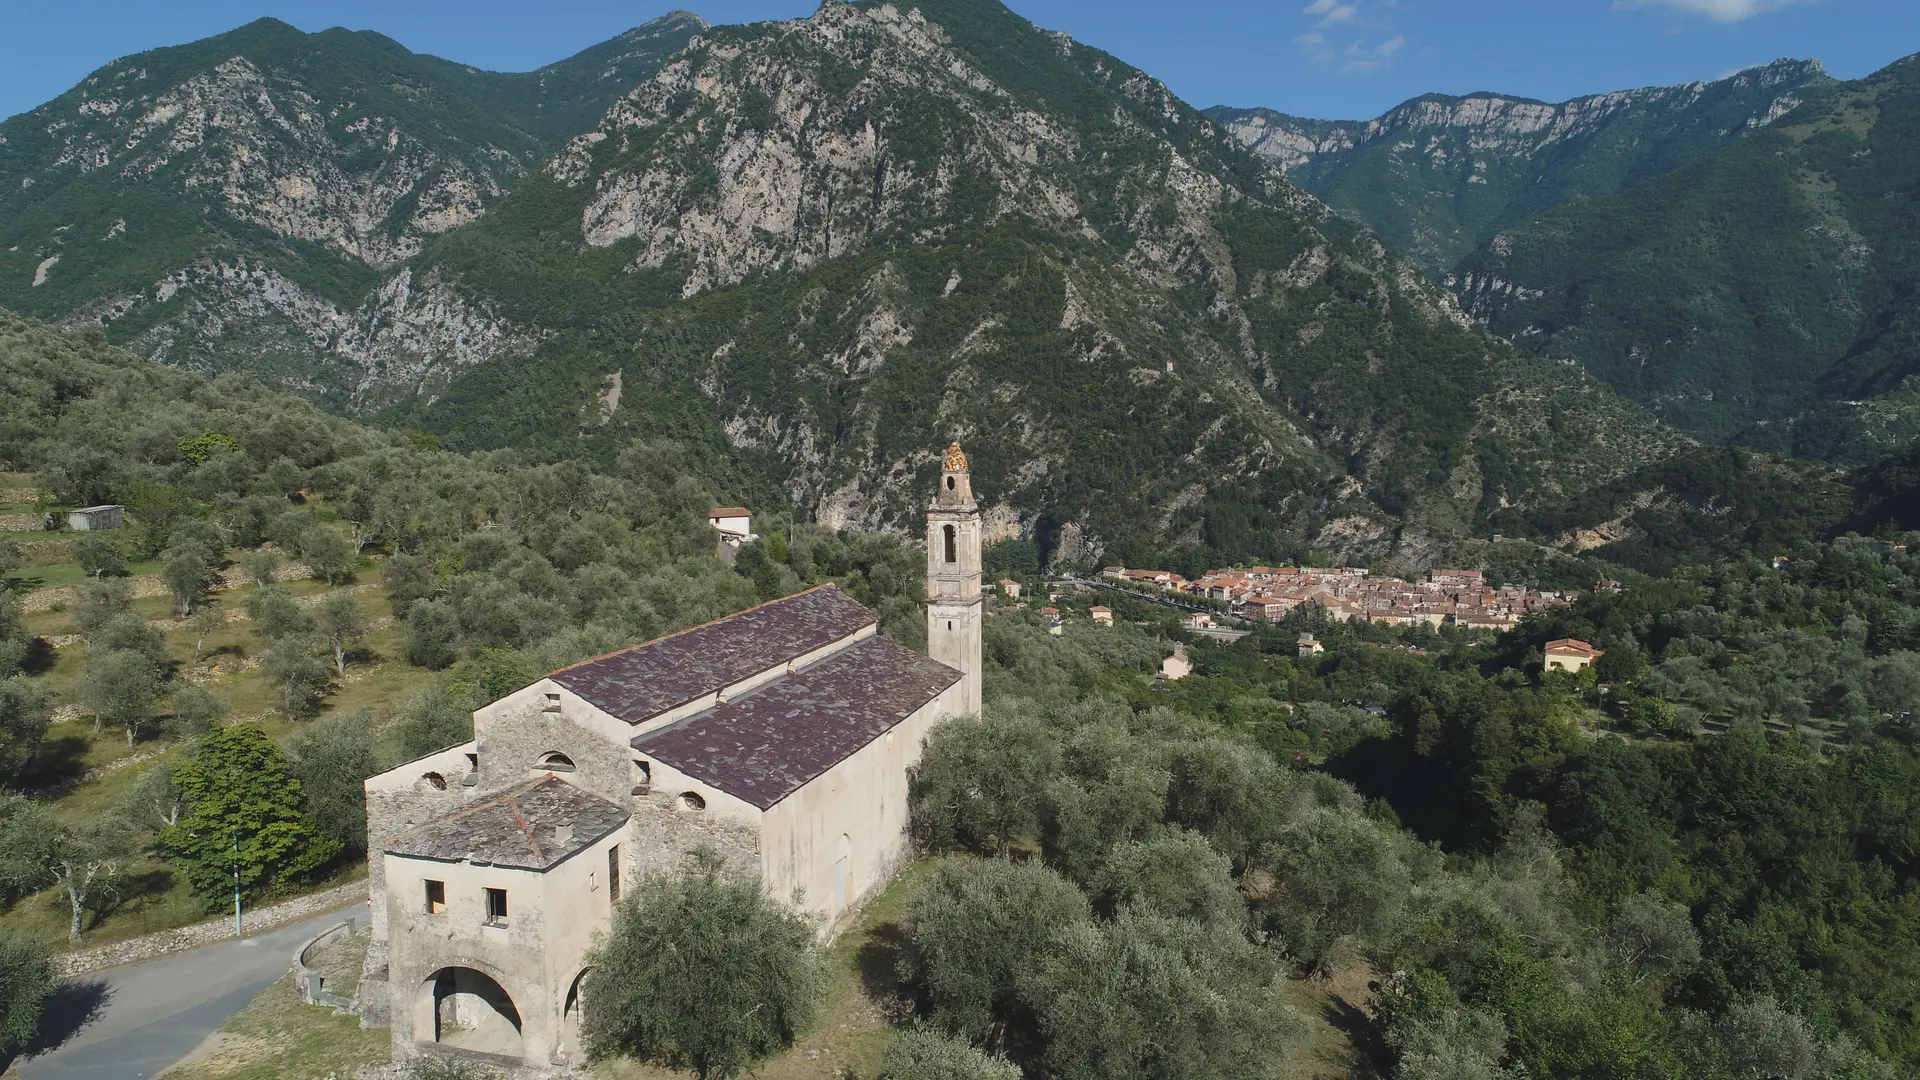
x=1762, y=294
x=1439, y=175
x=243, y=201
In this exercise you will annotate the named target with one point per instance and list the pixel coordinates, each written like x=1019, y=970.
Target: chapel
x=779, y=737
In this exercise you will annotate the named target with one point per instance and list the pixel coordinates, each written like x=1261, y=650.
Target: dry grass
x=280, y=1037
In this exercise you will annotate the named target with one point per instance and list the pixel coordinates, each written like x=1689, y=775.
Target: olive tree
x=26, y=982
x=701, y=970
x=973, y=928
x=923, y=1054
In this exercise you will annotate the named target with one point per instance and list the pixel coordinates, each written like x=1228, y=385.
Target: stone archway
x=467, y=1009
x=570, y=1019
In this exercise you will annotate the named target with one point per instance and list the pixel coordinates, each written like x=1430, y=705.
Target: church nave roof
x=769, y=742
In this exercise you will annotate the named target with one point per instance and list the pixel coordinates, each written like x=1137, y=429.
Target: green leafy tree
x=237, y=788
x=154, y=801
x=196, y=449
x=85, y=861
x=275, y=614
x=332, y=758
x=100, y=600
x=11, y=557
x=433, y=719
x=207, y=620
x=295, y=667
x=977, y=785
x=341, y=622
x=433, y=634
x=187, y=570
x=973, y=928
x=1143, y=997
x=99, y=555
x=26, y=711
x=329, y=554
x=701, y=970
x=262, y=567
x=921, y=1054
x=197, y=709
x=120, y=686
x=26, y=982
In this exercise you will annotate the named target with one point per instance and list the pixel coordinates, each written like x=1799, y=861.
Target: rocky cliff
x=237, y=201
x=814, y=252
x=1439, y=175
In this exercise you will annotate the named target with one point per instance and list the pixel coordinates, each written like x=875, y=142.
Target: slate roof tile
x=525, y=827
x=767, y=743
x=647, y=680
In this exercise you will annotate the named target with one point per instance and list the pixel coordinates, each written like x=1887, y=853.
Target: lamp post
x=238, y=929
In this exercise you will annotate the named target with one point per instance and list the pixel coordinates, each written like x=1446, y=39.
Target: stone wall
x=513, y=740
x=136, y=950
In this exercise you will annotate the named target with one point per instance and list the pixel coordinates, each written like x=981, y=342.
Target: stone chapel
x=780, y=737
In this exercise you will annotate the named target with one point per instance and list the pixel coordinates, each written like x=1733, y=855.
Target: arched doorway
x=570, y=1020
x=467, y=1009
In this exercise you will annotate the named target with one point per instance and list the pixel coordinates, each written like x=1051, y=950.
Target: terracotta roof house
x=1570, y=654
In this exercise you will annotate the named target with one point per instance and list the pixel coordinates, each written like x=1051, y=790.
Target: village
x=1267, y=593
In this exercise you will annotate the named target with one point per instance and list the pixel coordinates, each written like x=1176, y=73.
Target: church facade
x=779, y=737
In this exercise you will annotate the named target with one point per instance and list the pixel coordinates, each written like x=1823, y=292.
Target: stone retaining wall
x=19, y=495
x=22, y=522
x=136, y=950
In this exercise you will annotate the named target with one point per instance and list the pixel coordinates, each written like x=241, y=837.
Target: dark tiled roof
x=649, y=679
x=765, y=744
x=519, y=827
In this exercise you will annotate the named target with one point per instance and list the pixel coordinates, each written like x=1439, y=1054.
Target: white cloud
x=1726, y=11
x=1331, y=12
x=1364, y=30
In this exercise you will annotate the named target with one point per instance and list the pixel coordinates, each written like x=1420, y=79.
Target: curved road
x=147, y=1016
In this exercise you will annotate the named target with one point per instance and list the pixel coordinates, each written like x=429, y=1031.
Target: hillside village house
x=734, y=523
x=1570, y=654
x=1176, y=667
x=1102, y=616
x=97, y=518
x=1009, y=588
x=779, y=737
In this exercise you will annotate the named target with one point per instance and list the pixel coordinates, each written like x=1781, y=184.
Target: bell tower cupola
x=954, y=604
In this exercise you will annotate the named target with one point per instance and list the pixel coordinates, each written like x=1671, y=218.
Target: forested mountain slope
x=815, y=252
x=1770, y=278
x=1439, y=175
x=823, y=248
x=233, y=202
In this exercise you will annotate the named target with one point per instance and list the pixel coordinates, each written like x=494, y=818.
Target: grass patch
x=280, y=1037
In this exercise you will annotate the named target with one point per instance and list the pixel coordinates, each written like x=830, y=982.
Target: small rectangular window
x=553, y=702
x=436, y=898
x=613, y=873
x=496, y=907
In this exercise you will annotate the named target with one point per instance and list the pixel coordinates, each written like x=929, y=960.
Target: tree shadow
x=71, y=1008
x=1363, y=1032
x=881, y=959
x=137, y=890
x=60, y=760
x=39, y=658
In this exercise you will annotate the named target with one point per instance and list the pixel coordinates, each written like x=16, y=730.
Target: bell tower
x=953, y=576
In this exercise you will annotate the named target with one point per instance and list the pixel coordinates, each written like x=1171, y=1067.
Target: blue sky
x=1326, y=58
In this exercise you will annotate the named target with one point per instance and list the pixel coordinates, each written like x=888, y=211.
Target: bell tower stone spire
x=953, y=575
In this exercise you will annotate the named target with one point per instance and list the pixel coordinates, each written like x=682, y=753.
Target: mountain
x=813, y=252
x=231, y=202
x=821, y=249
x=1438, y=176
x=1764, y=293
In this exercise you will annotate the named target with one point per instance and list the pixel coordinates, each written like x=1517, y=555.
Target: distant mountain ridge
x=241, y=195
x=1767, y=293
x=1438, y=175
x=813, y=252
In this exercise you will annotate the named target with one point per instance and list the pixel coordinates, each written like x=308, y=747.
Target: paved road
x=150, y=1015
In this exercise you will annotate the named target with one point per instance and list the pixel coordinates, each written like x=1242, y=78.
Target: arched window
x=555, y=761
x=691, y=800
x=435, y=781
x=949, y=483
x=951, y=556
